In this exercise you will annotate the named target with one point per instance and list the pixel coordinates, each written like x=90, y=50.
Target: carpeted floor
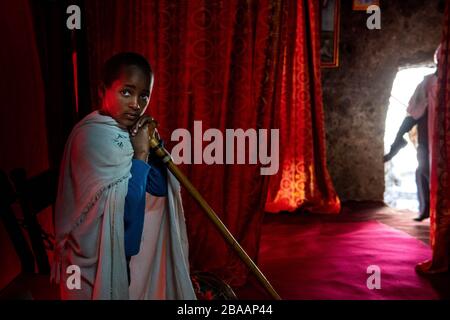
x=308, y=256
x=329, y=260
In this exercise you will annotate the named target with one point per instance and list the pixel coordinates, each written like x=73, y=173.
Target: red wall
x=22, y=117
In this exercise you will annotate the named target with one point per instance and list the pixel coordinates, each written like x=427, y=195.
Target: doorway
x=400, y=181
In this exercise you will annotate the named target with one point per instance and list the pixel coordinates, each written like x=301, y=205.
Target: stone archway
x=356, y=94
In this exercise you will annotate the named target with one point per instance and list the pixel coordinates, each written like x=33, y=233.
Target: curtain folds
x=303, y=181
x=440, y=164
x=229, y=64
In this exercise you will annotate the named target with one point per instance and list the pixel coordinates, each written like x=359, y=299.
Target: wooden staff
x=167, y=159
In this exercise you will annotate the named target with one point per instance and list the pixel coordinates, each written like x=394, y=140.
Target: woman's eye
x=144, y=97
x=125, y=92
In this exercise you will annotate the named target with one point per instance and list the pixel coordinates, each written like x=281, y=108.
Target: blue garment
x=145, y=177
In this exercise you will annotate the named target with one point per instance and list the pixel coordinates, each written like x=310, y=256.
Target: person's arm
x=407, y=124
x=137, y=185
x=399, y=142
x=135, y=206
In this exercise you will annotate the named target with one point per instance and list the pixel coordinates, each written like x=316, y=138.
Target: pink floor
x=317, y=259
x=329, y=260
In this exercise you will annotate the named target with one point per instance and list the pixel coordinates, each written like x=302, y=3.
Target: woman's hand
x=139, y=135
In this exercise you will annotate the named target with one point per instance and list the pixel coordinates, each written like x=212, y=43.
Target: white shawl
x=89, y=219
x=161, y=268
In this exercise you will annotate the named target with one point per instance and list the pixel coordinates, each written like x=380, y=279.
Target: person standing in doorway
x=423, y=99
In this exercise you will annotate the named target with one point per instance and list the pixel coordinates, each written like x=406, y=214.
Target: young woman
x=120, y=230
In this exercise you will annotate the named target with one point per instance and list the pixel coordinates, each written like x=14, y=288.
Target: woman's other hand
x=139, y=135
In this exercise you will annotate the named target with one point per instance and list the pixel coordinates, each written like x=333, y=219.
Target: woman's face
x=128, y=96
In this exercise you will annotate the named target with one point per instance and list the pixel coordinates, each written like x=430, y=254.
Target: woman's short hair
x=112, y=67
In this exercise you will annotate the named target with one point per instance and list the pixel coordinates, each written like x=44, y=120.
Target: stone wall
x=356, y=94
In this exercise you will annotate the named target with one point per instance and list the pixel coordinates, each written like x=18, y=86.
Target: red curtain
x=230, y=64
x=303, y=181
x=440, y=164
x=22, y=114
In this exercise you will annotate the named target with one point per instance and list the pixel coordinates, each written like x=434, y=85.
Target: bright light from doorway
x=401, y=189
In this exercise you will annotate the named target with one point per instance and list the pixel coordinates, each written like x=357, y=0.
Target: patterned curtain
x=304, y=181
x=440, y=165
x=230, y=64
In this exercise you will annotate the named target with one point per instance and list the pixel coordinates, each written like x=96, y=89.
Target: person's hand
x=387, y=157
x=139, y=135
x=398, y=144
